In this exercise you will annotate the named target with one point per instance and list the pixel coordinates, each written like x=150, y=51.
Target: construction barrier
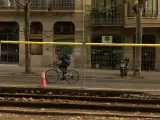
x=80, y=44
x=41, y=43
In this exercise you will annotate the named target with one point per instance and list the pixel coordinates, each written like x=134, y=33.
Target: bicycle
x=54, y=74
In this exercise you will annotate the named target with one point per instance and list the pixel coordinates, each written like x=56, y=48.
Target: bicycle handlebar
x=55, y=64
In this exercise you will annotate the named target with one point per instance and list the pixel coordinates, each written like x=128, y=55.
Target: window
x=64, y=28
x=109, y=4
x=109, y=12
x=58, y=29
x=5, y=3
x=36, y=49
x=36, y=29
x=108, y=57
x=150, y=9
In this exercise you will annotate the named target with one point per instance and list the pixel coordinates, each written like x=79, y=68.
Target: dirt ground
x=38, y=117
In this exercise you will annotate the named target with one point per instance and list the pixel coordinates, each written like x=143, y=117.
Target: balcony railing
x=63, y=4
x=150, y=9
x=41, y=4
x=144, y=14
x=108, y=18
x=6, y=4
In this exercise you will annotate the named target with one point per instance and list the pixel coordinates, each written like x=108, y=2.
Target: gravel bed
x=133, y=96
x=33, y=117
x=43, y=100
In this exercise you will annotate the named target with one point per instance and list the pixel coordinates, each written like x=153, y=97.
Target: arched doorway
x=36, y=30
x=9, y=31
x=64, y=32
x=148, y=55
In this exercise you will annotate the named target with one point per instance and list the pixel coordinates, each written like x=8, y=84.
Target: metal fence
x=100, y=68
x=40, y=4
x=107, y=18
x=63, y=4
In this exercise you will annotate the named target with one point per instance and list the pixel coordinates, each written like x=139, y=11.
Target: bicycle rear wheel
x=52, y=76
x=72, y=76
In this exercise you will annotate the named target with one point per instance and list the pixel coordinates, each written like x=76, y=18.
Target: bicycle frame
x=69, y=76
x=55, y=66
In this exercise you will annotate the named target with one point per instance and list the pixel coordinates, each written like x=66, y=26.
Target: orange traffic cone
x=43, y=79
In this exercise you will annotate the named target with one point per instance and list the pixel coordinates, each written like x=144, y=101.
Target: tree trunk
x=137, y=53
x=26, y=33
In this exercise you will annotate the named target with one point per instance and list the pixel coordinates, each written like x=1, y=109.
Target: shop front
x=106, y=57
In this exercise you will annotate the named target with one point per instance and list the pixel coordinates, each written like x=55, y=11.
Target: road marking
x=6, y=65
x=119, y=89
x=85, y=88
x=61, y=87
x=56, y=86
x=13, y=75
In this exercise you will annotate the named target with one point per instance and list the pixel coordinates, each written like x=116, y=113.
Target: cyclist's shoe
x=63, y=77
x=66, y=74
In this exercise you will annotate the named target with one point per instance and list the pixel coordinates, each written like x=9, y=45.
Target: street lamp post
x=84, y=47
x=26, y=33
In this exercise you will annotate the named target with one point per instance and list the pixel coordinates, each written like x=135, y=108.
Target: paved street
x=119, y=84
x=13, y=75
x=7, y=70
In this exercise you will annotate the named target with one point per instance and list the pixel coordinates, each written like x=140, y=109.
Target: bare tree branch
x=142, y=2
x=17, y=3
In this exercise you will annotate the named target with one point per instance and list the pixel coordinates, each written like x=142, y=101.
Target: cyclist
x=63, y=62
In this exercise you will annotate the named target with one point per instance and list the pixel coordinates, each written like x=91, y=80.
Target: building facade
x=62, y=20
x=50, y=20
x=117, y=24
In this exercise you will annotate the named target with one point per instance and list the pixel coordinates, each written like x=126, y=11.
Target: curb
x=76, y=88
x=96, y=79
x=33, y=112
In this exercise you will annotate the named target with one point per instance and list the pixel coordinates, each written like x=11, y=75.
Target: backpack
x=66, y=56
x=66, y=59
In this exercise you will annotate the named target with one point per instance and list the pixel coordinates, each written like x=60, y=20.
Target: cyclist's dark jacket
x=64, y=58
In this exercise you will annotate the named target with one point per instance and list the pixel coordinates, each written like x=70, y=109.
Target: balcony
x=150, y=16
x=39, y=5
x=107, y=18
x=6, y=5
x=63, y=4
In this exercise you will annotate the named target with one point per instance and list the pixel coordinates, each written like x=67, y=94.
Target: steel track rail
x=87, y=106
x=39, y=90
x=83, y=98
x=74, y=113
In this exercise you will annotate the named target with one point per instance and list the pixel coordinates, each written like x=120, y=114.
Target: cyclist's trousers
x=63, y=68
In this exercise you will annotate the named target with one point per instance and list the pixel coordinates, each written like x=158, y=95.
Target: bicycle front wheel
x=52, y=76
x=72, y=76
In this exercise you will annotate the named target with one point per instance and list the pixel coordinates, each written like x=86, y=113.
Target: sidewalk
x=65, y=86
x=17, y=71
x=99, y=79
